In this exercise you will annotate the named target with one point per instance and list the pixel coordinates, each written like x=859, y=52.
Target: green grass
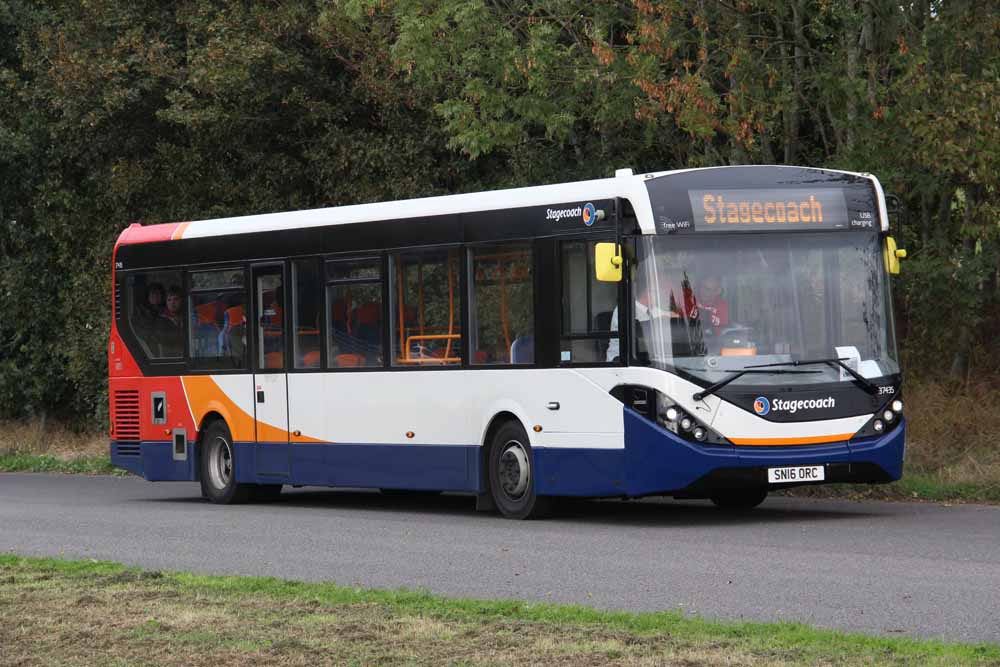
x=134, y=617
x=912, y=487
x=88, y=465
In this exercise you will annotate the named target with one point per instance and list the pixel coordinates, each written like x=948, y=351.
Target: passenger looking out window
x=170, y=325
x=153, y=308
x=160, y=334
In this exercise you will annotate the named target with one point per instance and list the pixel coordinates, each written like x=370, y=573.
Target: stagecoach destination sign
x=814, y=208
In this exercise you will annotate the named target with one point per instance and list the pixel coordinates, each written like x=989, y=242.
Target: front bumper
x=656, y=461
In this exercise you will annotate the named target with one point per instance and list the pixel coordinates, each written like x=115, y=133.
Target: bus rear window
x=156, y=313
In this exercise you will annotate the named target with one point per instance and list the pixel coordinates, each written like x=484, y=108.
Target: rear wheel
x=739, y=499
x=512, y=475
x=218, y=467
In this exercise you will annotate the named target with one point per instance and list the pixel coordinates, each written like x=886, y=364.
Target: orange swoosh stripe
x=179, y=232
x=772, y=442
x=205, y=395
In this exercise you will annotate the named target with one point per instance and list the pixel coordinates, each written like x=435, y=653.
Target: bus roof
x=624, y=184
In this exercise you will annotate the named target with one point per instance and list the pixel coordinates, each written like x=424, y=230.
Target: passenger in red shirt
x=714, y=309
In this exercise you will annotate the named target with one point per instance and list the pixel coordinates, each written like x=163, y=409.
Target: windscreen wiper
x=749, y=370
x=865, y=382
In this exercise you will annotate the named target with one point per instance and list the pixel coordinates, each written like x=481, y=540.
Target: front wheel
x=512, y=474
x=218, y=467
x=739, y=499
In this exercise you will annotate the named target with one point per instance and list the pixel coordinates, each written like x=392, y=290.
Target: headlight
x=878, y=426
x=888, y=415
x=897, y=405
x=686, y=423
x=671, y=414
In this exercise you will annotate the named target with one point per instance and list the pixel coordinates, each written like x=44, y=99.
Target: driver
x=678, y=298
x=713, y=307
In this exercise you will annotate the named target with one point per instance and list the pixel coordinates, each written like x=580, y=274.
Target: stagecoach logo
x=587, y=212
x=763, y=406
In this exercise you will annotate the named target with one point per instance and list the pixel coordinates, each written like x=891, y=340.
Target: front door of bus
x=273, y=451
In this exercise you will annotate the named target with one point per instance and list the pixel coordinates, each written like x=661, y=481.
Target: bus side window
x=354, y=313
x=589, y=308
x=217, y=332
x=426, y=311
x=502, y=311
x=159, y=332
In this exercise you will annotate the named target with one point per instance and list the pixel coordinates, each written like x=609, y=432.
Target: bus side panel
x=658, y=461
x=427, y=467
x=579, y=472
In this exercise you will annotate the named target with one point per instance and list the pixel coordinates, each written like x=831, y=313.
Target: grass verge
x=28, y=447
x=88, y=465
x=94, y=613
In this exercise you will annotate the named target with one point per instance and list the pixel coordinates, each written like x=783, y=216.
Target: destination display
x=816, y=208
x=763, y=199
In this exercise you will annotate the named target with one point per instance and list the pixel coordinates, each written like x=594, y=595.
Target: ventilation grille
x=128, y=450
x=118, y=300
x=127, y=415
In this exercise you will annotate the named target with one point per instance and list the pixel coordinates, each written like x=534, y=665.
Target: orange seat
x=208, y=313
x=350, y=360
x=311, y=359
x=235, y=316
x=274, y=360
x=369, y=313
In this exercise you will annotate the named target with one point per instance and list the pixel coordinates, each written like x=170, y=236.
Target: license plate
x=796, y=474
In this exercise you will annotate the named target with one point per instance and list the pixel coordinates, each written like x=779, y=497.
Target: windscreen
x=706, y=305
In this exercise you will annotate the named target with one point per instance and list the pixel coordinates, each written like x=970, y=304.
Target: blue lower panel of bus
x=653, y=460
x=154, y=461
x=432, y=467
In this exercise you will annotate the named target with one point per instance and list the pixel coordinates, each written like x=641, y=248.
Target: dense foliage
x=114, y=112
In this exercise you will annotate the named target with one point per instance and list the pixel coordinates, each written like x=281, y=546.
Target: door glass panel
x=589, y=308
x=306, y=313
x=268, y=294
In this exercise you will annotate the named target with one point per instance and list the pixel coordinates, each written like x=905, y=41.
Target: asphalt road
x=896, y=569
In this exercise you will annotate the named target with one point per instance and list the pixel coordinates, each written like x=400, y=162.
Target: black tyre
x=739, y=499
x=512, y=474
x=218, y=467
